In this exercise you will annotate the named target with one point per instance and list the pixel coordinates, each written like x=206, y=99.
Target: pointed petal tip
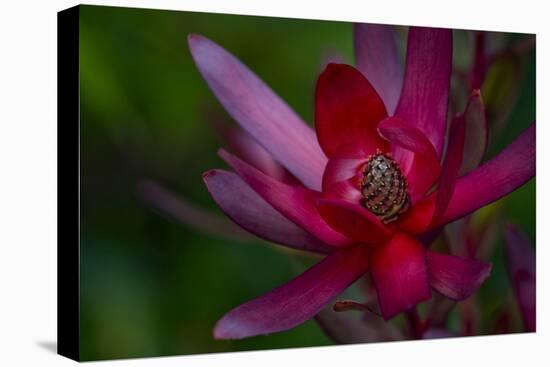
x=347, y=111
x=511, y=168
x=207, y=175
x=296, y=301
x=223, y=154
x=217, y=333
x=332, y=66
x=333, y=69
x=377, y=57
x=259, y=111
x=193, y=39
x=210, y=176
x=223, y=330
x=485, y=272
x=476, y=133
x=475, y=102
x=233, y=161
x=455, y=277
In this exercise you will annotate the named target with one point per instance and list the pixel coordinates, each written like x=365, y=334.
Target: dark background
x=154, y=286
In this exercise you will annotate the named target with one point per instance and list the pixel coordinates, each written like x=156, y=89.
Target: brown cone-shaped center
x=384, y=187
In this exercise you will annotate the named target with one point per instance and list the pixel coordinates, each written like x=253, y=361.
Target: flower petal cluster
x=305, y=193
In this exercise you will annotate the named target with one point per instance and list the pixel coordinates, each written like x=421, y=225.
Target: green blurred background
x=149, y=285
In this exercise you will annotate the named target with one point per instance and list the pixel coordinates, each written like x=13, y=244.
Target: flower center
x=384, y=187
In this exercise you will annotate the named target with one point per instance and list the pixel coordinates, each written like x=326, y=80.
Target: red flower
x=370, y=179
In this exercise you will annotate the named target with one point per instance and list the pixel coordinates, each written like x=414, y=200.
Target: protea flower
x=368, y=183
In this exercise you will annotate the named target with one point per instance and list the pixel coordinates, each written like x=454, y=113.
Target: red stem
x=415, y=325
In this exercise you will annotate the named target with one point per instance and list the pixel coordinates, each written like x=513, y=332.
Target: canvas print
x=258, y=183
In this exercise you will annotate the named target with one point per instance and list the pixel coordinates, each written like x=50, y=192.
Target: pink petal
x=354, y=221
x=477, y=133
x=449, y=171
x=246, y=208
x=377, y=57
x=496, y=178
x=424, y=98
x=341, y=178
x=260, y=111
x=347, y=110
x=344, y=190
x=456, y=277
x=294, y=202
x=520, y=256
x=400, y=274
x=245, y=147
x=186, y=212
x=298, y=300
x=340, y=169
x=424, y=169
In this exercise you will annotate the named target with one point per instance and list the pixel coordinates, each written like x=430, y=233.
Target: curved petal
x=451, y=166
x=260, y=111
x=245, y=147
x=496, y=178
x=189, y=214
x=418, y=218
x=341, y=178
x=294, y=202
x=400, y=274
x=296, y=301
x=424, y=169
x=347, y=110
x=377, y=57
x=246, y=208
x=455, y=277
x=477, y=133
x=520, y=256
x=344, y=190
x=425, y=94
x=340, y=169
x=354, y=221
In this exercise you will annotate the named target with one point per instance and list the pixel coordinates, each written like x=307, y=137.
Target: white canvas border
x=28, y=155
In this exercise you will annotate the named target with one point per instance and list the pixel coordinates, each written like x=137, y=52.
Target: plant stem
x=415, y=325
